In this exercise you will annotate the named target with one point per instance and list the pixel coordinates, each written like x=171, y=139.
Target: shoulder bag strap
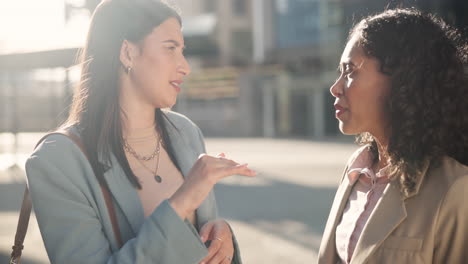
x=22, y=228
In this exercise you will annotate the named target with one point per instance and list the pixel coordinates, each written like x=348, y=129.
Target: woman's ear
x=128, y=52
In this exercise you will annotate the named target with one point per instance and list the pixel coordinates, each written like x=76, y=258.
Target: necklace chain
x=141, y=159
x=130, y=150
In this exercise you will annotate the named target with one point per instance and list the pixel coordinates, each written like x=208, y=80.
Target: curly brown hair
x=428, y=103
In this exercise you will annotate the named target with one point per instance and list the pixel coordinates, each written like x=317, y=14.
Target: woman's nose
x=184, y=66
x=337, y=88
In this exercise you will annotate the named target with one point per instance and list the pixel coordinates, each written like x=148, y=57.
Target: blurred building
x=260, y=67
x=281, y=57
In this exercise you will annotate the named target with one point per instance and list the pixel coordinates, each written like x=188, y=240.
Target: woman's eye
x=348, y=71
x=171, y=48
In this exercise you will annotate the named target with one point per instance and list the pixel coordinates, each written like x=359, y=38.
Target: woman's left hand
x=221, y=249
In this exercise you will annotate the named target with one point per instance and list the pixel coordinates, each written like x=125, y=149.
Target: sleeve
x=72, y=229
x=451, y=241
x=201, y=140
x=237, y=257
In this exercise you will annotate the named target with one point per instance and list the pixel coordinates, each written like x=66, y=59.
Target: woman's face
x=159, y=67
x=361, y=92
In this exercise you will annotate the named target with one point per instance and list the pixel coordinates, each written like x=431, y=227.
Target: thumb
x=205, y=231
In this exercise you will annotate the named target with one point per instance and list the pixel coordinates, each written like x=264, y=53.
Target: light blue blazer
x=73, y=217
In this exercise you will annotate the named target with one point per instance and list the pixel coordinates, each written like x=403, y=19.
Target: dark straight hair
x=95, y=110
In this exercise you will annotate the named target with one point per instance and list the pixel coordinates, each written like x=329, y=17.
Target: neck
x=138, y=123
x=137, y=116
x=382, y=146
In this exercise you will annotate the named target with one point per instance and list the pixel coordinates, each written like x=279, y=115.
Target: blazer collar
x=125, y=195
x=186, y=155
x=341, y=198
x=328, y=242
x=388, y=214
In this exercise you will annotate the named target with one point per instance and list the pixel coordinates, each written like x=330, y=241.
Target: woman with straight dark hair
x=134, y=185
x=403, y=89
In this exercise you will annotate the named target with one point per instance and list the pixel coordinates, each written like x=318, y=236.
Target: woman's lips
x=176, y=85
x=339, y=111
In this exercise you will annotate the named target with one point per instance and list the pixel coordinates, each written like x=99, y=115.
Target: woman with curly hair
x=403, y=90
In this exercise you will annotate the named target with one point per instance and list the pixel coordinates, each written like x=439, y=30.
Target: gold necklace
x=130, y=150
x=157, y=178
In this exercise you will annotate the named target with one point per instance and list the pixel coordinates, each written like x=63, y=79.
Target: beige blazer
x=429, y=226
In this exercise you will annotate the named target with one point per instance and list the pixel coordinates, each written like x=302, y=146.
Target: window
x=239, y=7
x=211, y=6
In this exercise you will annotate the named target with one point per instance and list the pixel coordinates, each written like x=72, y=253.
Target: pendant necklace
x=141, y=159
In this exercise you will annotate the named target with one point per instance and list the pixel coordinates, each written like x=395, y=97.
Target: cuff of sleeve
x=186, y=246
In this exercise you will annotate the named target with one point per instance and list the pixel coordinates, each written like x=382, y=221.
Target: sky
x=32, y=25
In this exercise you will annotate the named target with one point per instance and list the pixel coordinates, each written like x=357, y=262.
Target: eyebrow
x=176, y=43
x=350, y=63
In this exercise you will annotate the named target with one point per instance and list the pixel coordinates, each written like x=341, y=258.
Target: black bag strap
x=26, y=206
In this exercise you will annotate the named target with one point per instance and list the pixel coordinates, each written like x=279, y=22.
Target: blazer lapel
x=121, y=190
x=125, y=195
x=387, y=215
x=327, y=252
x=339, y=204
x=186, y=155
x=183, y=152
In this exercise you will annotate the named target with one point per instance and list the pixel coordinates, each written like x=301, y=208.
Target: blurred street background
x=278, y=217
x=261, y=70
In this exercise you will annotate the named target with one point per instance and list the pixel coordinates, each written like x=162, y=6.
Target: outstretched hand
x=205, y=173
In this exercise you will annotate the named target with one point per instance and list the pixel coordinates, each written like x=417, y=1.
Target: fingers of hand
x=224, y=253
x=222, y=233
x=221, y=167
x=217, y=161
x=227, y=260
x=215, y=246
x=210, y=162
x=206, y=231
x=222, y=157
x=240, y=169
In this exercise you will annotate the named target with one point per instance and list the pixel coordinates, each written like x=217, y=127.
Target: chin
x=346, y=129
x=166, y=104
